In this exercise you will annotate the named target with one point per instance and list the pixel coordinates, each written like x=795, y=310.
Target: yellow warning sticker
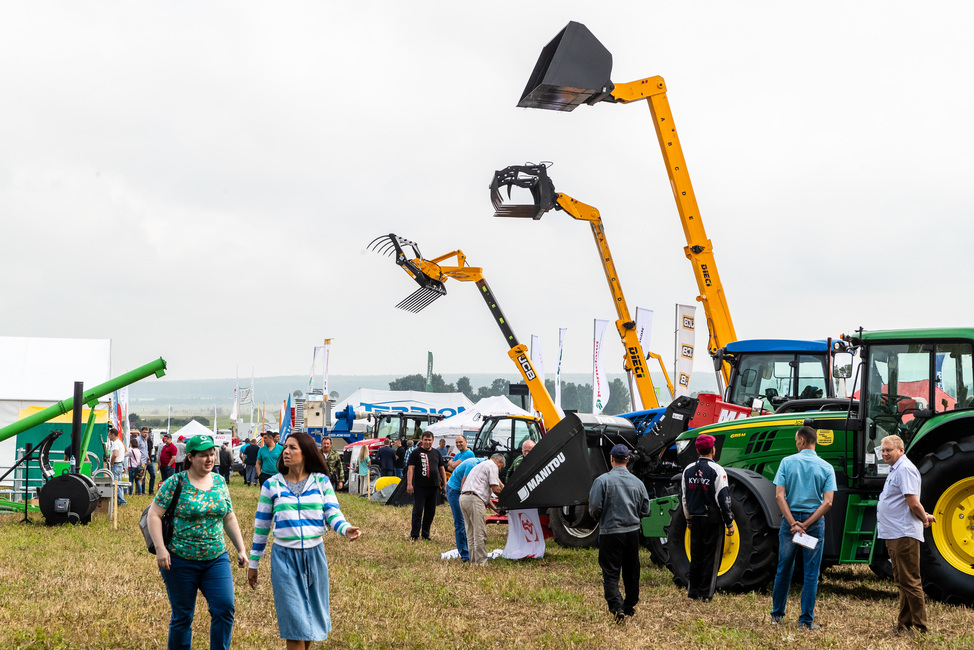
x=825, y=436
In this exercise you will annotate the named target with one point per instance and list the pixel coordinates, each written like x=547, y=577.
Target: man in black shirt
x=226, y=462
x=424, y=476
x=707, y=506
x=400, y=466
x=250, y=462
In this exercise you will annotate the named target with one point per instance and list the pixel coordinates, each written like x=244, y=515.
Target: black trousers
x=424, y=507
x=619, y=552
x=706, y=549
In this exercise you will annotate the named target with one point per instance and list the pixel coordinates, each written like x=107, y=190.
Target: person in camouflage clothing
x=333, y=460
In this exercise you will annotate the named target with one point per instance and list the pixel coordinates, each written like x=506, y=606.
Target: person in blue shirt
x=804, y=487
x=461, y=454
x=453, y=498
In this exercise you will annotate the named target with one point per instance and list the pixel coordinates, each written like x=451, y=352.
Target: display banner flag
x=285, y=429
x=537, y=360
x=429, y=372
x=324, y=384
x=123, y=409
x=525, y=536
x=685, y=340
x=233, y=410
x=318, y=351
x=561, y=349
x=644, y=328
x=600, y=383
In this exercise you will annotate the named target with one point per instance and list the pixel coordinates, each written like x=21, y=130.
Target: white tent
x=468, y=422
x=406, y=401
x=194, y=428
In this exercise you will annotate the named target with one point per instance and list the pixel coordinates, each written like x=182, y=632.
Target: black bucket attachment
x=674, y=421
x=560, y=469
x=429, y=288
x=573, y=69
x=530, y=177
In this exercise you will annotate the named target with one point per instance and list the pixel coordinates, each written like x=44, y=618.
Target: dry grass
x=92, y=587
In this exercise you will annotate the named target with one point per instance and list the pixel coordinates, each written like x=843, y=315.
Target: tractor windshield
x=778, y=377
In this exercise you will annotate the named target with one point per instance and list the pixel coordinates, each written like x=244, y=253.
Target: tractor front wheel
x=750, y=555
x=947, y=492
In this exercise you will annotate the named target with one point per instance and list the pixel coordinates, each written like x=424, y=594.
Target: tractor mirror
x=573, y=69
x=842, y=365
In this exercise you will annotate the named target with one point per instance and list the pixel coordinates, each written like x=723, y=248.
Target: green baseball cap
x=201, y=442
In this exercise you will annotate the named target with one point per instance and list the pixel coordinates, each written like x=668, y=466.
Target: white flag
x=233, y=411
x=123, y=405
x=600, y=383
x=245, y=395
x=561, y=350
x=324, y=386
x=644, y=327
x=685, y=339
x=314, y=367
x=537, y=360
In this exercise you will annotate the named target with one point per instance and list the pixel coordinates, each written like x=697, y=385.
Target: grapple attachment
x=429, y=288
x=530, y=177
x=573, y=69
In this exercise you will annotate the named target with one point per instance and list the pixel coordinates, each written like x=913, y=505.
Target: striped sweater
x=297, y=521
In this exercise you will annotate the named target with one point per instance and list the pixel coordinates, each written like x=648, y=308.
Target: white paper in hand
x=805, y=540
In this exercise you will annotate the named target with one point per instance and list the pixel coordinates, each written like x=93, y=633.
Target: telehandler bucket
x=429, y=288
x=560, y=469
x=573, y=69
x=530, y=177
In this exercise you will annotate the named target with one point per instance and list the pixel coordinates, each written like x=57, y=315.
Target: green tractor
x=917, y=384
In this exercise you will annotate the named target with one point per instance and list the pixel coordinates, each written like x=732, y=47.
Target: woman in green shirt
x=197, y=559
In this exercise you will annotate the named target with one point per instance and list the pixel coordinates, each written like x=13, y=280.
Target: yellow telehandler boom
x=535, y=179
x=574, y=69
x=431, y=276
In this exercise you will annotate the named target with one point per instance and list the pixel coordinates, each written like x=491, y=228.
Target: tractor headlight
x=681, y=446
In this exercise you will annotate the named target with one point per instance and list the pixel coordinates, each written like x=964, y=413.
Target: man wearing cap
x=804, y=487
x=167, y=457
x=707, y=506
x=116, y=460
x=618, y=500
x=180, y=451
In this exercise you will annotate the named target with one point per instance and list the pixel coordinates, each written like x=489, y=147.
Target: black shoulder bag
x=168, y=520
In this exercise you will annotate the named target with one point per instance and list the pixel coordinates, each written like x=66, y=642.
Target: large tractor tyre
x=572, y=527
x=658, y=552
x=750, y=555
x=947, y=492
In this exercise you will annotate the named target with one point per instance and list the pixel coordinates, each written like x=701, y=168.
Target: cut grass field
x=94, y=587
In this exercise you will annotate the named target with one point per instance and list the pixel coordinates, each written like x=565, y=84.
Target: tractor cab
x=776, y=371
x=504, y=434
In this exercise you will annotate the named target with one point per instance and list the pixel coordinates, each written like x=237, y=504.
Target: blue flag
x=286, y=421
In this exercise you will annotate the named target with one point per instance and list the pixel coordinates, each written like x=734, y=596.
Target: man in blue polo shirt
x=461, y=454
x=453, y=497
x=804, y=487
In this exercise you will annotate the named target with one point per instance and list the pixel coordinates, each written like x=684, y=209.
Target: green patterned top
x=198, y=530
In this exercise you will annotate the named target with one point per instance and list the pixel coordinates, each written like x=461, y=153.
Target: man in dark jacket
x=618, y=500
x=249, y=454
x=387, y=459
x=226, y=462
x=707, y=506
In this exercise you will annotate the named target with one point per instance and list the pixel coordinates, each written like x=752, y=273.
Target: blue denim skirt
x=300, y=580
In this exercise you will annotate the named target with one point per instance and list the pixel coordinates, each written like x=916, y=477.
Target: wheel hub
x=953, y=532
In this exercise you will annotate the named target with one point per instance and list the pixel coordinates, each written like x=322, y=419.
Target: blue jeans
x=117, y=470
x=786, y=564
x=150, y=468
x=459, y=532
x=134, y=482
x=250, y=474
x=183, y=580
x=399, y=472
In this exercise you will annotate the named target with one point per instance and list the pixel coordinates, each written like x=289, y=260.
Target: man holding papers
x=804, y=487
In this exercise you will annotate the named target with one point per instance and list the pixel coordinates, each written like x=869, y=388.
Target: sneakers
x=776, y=620
x=810, y=627
x=619, y=617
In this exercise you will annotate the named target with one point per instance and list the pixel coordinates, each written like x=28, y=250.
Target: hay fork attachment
x=430, y=287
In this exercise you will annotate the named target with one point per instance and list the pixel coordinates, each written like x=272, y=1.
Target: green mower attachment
x=429, y=288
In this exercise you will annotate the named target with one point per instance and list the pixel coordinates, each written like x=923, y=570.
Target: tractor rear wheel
x=750, y=555
x=947, y=492
x=572, y=527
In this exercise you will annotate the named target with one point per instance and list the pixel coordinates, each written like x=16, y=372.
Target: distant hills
x=155, y=396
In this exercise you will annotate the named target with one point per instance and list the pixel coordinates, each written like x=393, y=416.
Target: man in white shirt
x=475, y=494
x=180, y=452
x=900, y=520
x=116, y=460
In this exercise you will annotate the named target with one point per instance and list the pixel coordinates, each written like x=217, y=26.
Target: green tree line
x=574, y=397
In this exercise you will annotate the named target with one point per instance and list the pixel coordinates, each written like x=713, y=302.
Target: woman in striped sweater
x=297, y=503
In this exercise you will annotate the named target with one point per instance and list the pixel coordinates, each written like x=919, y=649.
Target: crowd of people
x=297, y=504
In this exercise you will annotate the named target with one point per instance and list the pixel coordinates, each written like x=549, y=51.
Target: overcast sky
x=199, y=181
